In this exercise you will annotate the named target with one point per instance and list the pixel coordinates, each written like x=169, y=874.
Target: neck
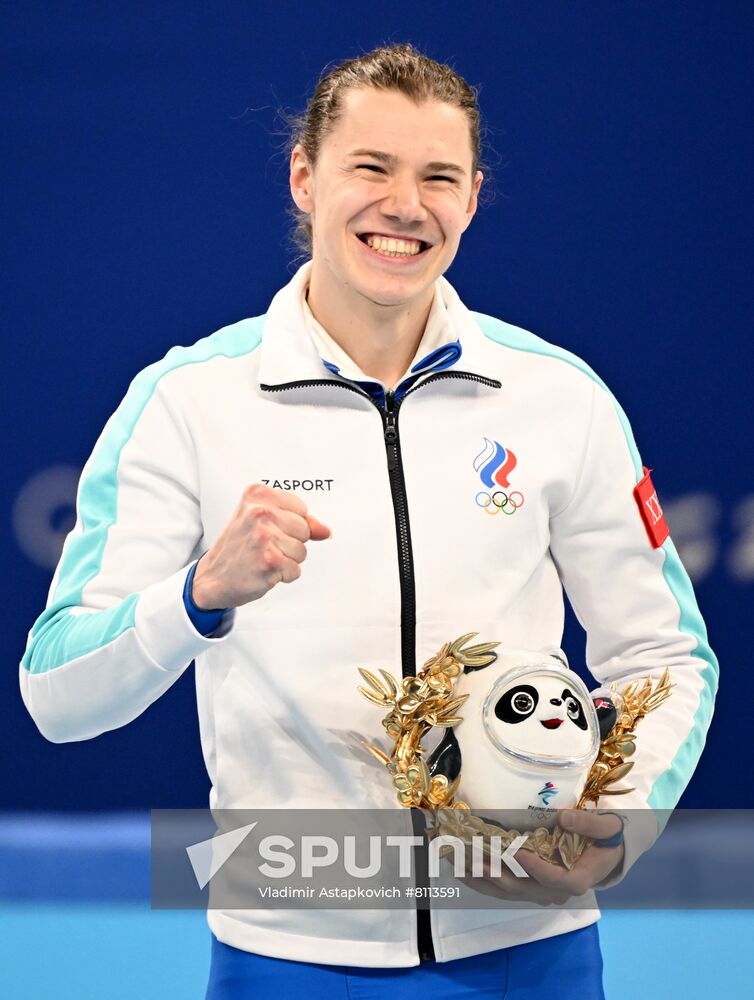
x=382, y=340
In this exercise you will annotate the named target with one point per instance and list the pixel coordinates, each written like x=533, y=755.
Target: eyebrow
x=391, y=160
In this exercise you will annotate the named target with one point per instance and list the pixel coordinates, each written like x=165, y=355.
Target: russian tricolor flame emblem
x=494, y=463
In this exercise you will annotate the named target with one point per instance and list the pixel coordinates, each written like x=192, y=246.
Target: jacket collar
x=289, y=354
x=439, y=346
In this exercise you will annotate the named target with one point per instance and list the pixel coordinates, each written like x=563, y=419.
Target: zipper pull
x=391, y=433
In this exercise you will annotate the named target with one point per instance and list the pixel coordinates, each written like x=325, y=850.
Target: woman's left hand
x=552, y=884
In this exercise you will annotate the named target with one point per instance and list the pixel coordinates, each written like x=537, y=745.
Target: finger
x=282, y=500
x=287, y=500
x=516, y=891
x=590, y=823
x=594, y=865
x=303, y=526
x=290, y=548
x=501, y=888
x=503, y=876
x=319, y=531
x=288, y=570
x=289, y=523
x=305, y=529
x=541, y=871
x=597, y=863
x=259, y=493
x=507, y=885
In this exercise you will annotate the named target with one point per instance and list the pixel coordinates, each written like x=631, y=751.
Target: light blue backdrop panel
x=88, y=952
x=75, y=923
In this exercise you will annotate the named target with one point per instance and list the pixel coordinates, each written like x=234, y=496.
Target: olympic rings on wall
x=499, y=502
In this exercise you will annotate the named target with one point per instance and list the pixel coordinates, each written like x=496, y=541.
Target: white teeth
x=392, y=247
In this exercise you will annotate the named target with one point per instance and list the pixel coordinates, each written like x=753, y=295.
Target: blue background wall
x=144, y=205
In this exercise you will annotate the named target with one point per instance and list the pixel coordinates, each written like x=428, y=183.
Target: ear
x=302, y=180
x=607, y=714
x=473, y=199
x=489, y=657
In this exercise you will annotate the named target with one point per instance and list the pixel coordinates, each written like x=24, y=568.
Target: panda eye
x=573, y=708
x=522, y=703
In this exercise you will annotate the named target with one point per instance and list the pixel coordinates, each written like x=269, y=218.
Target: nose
x=403, y=202
x=555, y=701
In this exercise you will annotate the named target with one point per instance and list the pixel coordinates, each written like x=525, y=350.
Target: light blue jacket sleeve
x=637, y=606
x=116, y=634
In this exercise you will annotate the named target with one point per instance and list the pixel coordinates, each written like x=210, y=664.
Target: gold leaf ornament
x=419, y=704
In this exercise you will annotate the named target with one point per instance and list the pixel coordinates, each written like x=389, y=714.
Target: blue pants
x=566, y=967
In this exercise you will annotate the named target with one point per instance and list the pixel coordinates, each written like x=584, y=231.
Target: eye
x=573, y=708
x=370, y=166
x=442, y=177
x=522, y=703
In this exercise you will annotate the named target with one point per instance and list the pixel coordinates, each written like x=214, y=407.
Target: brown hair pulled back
x=398, y=67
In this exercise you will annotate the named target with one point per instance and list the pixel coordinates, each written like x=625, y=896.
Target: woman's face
x=393, y=170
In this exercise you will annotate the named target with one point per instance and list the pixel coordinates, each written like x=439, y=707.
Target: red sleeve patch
x=651, y=512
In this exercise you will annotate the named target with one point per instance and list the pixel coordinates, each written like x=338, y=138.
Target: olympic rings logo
x=499, y=502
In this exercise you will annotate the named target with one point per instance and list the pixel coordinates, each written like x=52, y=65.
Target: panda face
x=541, y=714
x=518, y=704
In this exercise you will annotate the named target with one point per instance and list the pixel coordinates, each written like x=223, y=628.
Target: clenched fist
x=264, y=543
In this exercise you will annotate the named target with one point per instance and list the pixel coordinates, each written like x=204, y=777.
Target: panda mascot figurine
x=529, y=737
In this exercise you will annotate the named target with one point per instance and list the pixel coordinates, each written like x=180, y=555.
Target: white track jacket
x=416, y=559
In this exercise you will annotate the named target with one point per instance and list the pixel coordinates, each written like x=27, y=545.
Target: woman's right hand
x=263, y=543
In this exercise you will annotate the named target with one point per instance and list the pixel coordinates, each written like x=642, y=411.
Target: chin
x=385, y=298
x=393, y=293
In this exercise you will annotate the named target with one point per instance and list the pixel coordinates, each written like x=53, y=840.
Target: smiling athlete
x=370, y=380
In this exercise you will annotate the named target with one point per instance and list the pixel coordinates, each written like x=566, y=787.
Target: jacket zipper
x=424, y=943
x=403, y=534
x=389, y=413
